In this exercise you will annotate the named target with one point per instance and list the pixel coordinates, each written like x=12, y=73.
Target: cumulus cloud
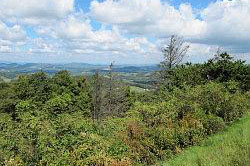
x=13, y=33
x=4, y=49
x=34, y=11
x=152, y=17
x=111, y=42
x=11, y=37
x=40, y=45
x=73, y=28
x=228, y=23
x=130, y=29
x=221, y=23
x=75, y=35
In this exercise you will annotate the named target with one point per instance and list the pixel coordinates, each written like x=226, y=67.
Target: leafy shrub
x=221, y=69
x=212, y=124
x=59, y=104
x=214, y=98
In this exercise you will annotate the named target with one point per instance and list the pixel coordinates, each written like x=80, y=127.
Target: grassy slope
x=230, y=148
x=137, y=89
x=5, y=79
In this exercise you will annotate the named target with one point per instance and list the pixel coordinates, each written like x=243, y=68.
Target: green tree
x=59, y=104
x=36, y=87
x=224, y=68
x=63, y=82
x=8, y=99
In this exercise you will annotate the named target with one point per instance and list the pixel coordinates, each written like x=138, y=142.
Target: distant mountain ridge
x=75, y=68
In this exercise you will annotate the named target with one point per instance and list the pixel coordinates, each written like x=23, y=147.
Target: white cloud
x=74, y=35
x=106, y=42
x=11, y=37
x=39, y=45
x=127, y=29
x=35, y=11
x=225, y=23
x=5, y=49
x=200, y=52
x=152, y=17
x=14, y=33
x=74, y=28
x=228, y=23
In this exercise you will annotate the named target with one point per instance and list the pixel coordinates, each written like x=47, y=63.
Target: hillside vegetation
x=230, y=148
x=99, y=121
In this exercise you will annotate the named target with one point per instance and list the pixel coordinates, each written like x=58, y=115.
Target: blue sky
x=127, y=31
x=84, y=4
x=194, y=3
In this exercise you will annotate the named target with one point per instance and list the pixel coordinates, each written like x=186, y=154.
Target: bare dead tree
x=97, y=96
x=110, y=97
x=116, y=100
x=174, y=52
x=217, y=54
x=110, y=91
